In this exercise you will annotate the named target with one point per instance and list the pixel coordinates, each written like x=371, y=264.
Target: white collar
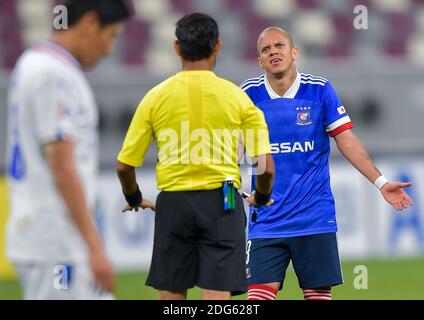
x=290, y=93
x=58, y=51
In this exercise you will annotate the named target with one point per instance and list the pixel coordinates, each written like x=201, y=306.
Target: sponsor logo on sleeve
x=341, y=110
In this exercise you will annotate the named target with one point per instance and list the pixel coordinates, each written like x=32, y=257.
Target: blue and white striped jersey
x=300, y=124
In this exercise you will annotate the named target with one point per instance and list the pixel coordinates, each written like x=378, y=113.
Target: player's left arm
x=353, y=150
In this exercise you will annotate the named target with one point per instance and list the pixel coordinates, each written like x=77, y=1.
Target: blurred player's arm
x=353, y=150
x=60, y=157
x=127, y=177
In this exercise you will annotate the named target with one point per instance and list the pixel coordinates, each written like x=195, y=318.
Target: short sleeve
x=139, y=135
x=53, y=103
x=255, y=129
x=336, y=118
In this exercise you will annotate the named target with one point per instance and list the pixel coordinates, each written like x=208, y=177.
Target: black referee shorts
x=197, y=244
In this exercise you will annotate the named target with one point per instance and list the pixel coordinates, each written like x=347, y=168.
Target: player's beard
x=291, y=71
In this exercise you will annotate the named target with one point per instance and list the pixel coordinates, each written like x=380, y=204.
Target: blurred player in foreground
x=302, y=111
x=52, y=158
x=196, y=243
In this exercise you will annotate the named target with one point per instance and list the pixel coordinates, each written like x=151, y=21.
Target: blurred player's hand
x=395, y=195
x=102, y=269
x=250, y=199
x=145, y=204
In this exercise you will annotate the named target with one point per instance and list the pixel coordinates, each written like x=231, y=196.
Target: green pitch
x=387, y=279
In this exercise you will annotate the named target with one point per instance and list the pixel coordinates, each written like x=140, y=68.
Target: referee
x=195, y=116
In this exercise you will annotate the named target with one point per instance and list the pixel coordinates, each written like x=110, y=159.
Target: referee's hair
x=108, y=11
x=197, y=35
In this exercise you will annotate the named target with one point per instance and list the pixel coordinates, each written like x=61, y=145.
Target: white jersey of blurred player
x=50, y=100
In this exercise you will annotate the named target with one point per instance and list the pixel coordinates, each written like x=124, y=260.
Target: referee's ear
x=218, y=47
x=177, y=48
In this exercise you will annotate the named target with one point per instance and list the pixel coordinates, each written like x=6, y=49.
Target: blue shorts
x=315, y=260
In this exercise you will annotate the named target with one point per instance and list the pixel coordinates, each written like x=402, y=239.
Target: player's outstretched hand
x=250, y=199
x=145, y=204
x=395, y=195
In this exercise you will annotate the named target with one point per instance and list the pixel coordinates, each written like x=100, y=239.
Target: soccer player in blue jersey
x=302, y=112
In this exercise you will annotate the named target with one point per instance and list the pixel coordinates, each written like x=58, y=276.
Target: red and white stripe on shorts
x=261, y=292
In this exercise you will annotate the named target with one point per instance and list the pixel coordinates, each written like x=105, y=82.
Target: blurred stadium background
x=378, y=72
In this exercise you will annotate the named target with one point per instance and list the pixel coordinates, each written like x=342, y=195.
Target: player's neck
x=68, y=41
x=280, y=83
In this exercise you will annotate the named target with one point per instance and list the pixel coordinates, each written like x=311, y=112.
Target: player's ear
x=295, y=53
x=260, y=63
x=177, y=48
x=90, y=22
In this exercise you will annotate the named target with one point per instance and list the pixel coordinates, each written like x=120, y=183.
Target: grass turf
x=387, y=279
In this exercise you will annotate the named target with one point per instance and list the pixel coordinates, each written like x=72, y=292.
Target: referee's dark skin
x=129, y=185
x=264, y=180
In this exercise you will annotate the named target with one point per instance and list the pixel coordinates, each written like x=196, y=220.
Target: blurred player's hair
x=108, y=11
x=197, y=35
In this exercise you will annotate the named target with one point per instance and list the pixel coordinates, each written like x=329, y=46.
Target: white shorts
x=59, y=282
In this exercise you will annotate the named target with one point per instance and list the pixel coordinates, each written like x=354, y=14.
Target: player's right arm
x=60, y=158
x=52, y=104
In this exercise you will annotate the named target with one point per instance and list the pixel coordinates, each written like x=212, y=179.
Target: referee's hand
x=145, y=204
x=250, y=199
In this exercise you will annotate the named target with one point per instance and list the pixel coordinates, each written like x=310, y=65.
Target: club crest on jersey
x=303, y=116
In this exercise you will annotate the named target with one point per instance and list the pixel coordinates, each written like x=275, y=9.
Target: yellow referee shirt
x=198, y=121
